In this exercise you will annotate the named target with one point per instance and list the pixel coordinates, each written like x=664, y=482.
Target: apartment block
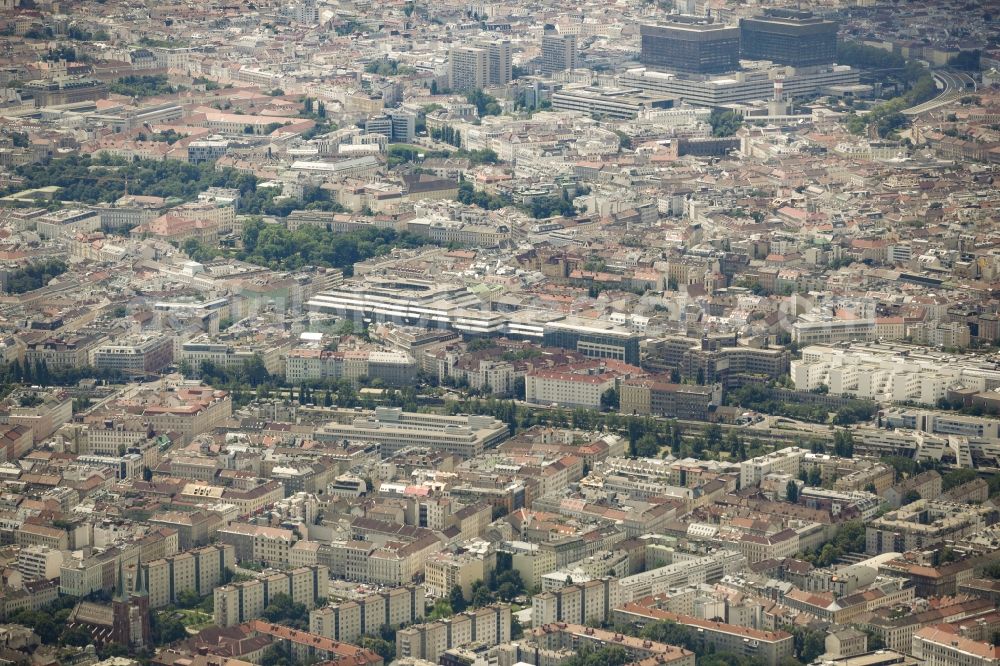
x=66, y=351
x=200, y=571
x=39, y=562
x=136, y=357
x=347, y=621
x=941, y=645
x=468, y=68
x=925, y=524
x=581, y=603
x=43, y=419
x=315, y=365
x=662, y=398
x=552, y=643
x=31, y=534
x=394, y=429
x=683, y=571
x=445, y=570
x=769, y=646
x=786, y=461
x=194, y=528
x=489, y=626
x=240, y=602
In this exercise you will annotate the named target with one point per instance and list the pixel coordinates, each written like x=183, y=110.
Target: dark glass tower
x=789, y=37
x=687, y=44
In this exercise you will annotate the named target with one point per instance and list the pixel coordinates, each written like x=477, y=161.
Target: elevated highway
x=952, y=86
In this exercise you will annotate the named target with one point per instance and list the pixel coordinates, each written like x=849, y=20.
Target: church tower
x=130, y=611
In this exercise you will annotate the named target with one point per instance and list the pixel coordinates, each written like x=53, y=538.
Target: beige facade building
x=769, y=646
x=189, y=411
x=349, y=620
x=39, y=562
x=924, y=524
x=30, y=534
x=486, y=626
x=553, y=643
x=244, y=601
x=69, y=351
x=581, y=603
x=200, y=571
x=444, y=570
x=943, y=646
x=247, y=501
x=532, y=563
x=43, y=419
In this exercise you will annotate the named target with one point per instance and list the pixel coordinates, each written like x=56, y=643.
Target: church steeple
x=139, y=589
x=120, y=585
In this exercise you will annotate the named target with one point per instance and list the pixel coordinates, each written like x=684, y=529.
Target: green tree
x=809, y=644
x=647, y=446
x=792, y=492
x=992, y=570
x=486, y=105
x=724, y=123
x=380, y=646
x=815, y=477
x=673, y=634
x=142, y=86
x=609, y=400
x=441, y=609
x=967, y=60
x=41, y=623
x=867, y=57
x=112, y=650
x=612, y=655
x=456, y=599
x=516, y=630
x=188, y=599
x=957, y=478
x=843, y=443
x=34, y=275
x=166, y=629
x=283, y=610
x=76, y=636
x=276, y=655
x=713, y=436
x=481, y=595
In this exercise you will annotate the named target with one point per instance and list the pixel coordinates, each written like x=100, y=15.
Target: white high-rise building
x=468, y=68
x=475, y=67
x=501, y=63
x=558, y=52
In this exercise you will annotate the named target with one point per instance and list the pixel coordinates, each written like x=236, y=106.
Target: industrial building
x=741, y=87
x=620, y=104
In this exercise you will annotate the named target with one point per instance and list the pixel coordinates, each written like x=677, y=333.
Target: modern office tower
x=404, y=125
x=468, y=68
x=789, y=37
x=397, y=125
x=501, y=69
x=689, y=44
x=558, y=52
